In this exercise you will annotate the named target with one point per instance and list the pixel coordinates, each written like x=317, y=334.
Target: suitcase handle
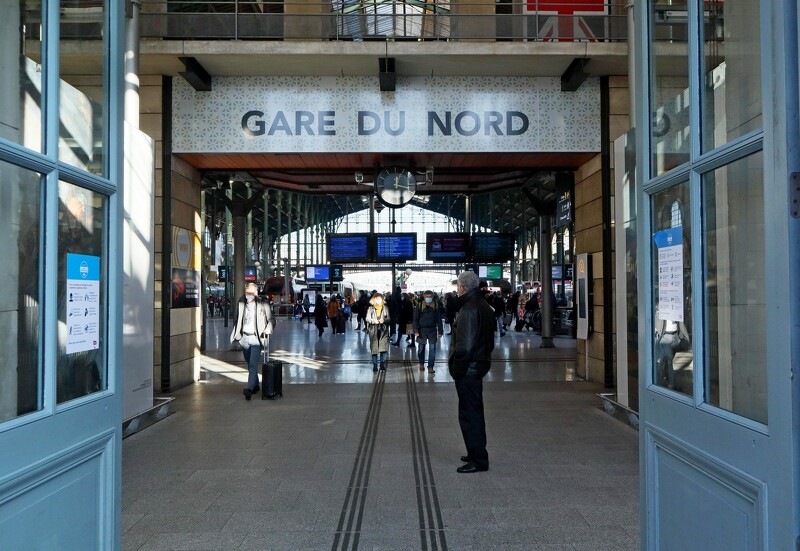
x=265, y=351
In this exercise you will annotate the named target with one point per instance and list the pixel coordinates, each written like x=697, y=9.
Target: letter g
x=259, y=129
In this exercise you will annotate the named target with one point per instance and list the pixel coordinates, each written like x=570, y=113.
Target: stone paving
x=348, y=459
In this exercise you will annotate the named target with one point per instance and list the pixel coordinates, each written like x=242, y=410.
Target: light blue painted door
x=60, y=371
x=716, y=266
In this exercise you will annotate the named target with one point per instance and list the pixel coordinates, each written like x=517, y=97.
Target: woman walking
x=378, y=322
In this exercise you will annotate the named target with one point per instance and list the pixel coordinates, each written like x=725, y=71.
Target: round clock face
x=395, y=187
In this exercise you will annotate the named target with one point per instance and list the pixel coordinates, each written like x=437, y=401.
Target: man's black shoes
x=465, y=459
x=471, y=468
x=247, y=393
x=256, y=389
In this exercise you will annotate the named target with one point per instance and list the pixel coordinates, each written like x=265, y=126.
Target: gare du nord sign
x=350, y=114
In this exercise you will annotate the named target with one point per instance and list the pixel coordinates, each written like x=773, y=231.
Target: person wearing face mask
x=379, y=323
x=254, y=323
x=428, y=328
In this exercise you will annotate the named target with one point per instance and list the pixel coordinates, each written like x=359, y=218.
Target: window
x=21, y=59
x=734, y=295
x=20, y=361
x=670, y=100
x=731, y=71
x=672, y=285
x=82, y=216
x=82, y=122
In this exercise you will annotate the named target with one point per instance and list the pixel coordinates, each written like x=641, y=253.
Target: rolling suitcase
x=271, y=377
x=341, y=324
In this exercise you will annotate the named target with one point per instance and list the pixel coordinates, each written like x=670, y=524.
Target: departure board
x=492, y=247
x=395, y=247
x=446, y=247
x=348, y=247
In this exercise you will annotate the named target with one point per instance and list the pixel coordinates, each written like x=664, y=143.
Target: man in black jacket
x=469, y=360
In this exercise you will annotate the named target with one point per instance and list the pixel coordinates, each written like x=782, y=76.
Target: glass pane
x=81, y=92
x=672, y=282
x=81, y=292
x=21, y=84
x=669, y=81
x=731, y=71
x=20, y=217
x=733, y=230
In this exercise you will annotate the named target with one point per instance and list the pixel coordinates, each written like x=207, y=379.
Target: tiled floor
x=351, y=460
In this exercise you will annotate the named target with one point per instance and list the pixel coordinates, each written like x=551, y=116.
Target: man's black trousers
x=470, y=417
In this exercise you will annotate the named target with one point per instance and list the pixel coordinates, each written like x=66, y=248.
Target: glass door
x=715, y=403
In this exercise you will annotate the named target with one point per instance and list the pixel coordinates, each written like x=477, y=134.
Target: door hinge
x=794, y=200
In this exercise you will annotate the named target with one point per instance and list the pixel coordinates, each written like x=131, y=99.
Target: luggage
x=507, y=320
x=520, y=325
x=271, y=376
x=341, y=324
x=271, y=379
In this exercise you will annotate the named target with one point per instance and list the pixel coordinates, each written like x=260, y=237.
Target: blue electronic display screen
x=318, y=273
x=395, y=246
x=348, y=247
x=492, y=247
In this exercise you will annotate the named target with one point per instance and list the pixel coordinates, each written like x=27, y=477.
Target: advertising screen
x=492, y=271
x=395, y=247
x=492, y=247
x=348, y=247
x=446, y=247
x=318, y=273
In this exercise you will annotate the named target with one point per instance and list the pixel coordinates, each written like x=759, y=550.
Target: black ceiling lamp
x=387, y=76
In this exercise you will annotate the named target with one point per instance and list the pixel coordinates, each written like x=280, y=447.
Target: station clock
x=395, y=187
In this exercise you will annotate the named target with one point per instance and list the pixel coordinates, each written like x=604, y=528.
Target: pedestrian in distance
x=428, y=328
x=320, y=314
x=334, y=311
x=254, y=324
x=469, y=360
x=379, y=325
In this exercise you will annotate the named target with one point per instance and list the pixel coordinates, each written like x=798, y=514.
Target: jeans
x=427, y=336
x=251, y=347
x=379, y=358
x=500, y=325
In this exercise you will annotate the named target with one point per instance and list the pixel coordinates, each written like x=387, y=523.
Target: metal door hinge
x=794, y=204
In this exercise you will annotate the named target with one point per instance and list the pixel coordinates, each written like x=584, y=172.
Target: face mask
x=378, y=302
x=250, y=298
x=428, y=300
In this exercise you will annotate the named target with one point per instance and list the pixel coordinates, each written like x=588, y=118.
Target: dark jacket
x=320, y=313
x=406, y=315
x=473, y=336
x=428, y=318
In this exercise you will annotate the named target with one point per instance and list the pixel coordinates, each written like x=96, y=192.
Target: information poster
x=83, y=303
x=669, y=244
x=186, y=283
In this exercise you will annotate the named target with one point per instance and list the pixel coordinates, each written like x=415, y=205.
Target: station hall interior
x=622, y=164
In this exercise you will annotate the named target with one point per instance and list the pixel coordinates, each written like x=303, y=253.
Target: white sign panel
x=83, y=303
x=669, y=244
x=350, y=114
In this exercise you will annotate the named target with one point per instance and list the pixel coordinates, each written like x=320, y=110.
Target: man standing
x=254, y=324
x=469, y=360
x=428, y=328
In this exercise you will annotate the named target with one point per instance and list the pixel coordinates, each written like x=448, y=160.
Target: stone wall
x=589, y=232
x=185, y=323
